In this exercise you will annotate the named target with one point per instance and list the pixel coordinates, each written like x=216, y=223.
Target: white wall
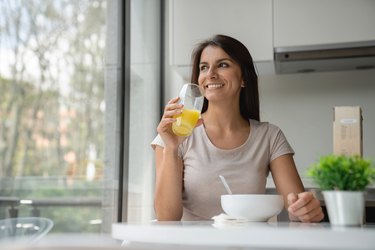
x=302, y=106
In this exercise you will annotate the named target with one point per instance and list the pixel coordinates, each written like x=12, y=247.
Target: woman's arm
x=301, y=205
x=169, y=167
x=169, y=183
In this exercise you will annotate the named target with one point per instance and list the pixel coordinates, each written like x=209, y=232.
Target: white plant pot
x=345, y=208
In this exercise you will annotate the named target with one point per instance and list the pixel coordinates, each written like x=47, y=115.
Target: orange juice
x=185, y=122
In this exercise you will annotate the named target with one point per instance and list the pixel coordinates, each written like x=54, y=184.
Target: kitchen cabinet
x=312, y=22
x=195, y=20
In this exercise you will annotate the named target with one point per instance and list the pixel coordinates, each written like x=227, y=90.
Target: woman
x=229, y=140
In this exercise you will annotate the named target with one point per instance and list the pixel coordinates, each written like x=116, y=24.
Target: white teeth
x=214, y=86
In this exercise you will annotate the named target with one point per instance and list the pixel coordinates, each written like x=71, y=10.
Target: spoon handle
x=225, y=184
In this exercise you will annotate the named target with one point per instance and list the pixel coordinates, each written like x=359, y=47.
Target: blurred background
x=83, y=83
x=65, y=151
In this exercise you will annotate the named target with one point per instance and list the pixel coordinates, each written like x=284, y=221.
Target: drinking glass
x=192, y=98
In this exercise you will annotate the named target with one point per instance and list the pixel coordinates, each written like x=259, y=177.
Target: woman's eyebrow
x=219, y=60
x=225, y=59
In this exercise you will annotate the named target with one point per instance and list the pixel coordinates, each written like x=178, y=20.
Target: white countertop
x=273, y=235
x=65, y=241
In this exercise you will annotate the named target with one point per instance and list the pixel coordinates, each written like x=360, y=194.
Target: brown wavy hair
x=249, y=96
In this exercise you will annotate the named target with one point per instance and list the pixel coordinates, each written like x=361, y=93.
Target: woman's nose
x=211, y=72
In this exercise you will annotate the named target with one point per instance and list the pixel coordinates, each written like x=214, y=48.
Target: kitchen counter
x=267, y=235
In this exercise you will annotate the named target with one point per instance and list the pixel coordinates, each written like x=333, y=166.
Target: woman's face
x=219, y=75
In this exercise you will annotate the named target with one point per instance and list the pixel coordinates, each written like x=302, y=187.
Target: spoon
x=225, y=184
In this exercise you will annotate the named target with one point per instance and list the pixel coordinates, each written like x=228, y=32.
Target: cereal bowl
x=253, y=207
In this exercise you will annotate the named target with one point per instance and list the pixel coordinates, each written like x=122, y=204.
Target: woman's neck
x=224, y=118
x=225, y=127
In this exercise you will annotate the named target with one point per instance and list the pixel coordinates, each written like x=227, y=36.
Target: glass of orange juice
x=192, y=98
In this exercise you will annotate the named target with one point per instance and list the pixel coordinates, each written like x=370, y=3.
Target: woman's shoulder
x=265, y=131
x=264, y=126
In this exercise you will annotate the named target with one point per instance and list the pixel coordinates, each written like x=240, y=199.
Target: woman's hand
x=173, y=108
x=304, y=207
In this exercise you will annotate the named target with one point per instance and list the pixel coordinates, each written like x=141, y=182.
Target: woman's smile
x=214, y=85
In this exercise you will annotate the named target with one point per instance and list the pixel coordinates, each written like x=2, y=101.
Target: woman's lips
x=214, y=85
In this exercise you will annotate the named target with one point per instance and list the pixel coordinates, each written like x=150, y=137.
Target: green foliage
x=333, y=172
x=51, y=99
x=66, y=218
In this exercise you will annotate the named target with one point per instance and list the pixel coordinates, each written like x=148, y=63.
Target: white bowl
x=253, y=207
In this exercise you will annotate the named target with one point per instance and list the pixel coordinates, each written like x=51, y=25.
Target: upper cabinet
x=192, y=21
x=312, y=22
x=268, y=26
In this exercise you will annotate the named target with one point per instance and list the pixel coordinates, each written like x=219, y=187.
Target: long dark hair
x=249, y=96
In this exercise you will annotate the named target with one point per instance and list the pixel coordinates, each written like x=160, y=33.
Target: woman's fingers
x=171, y=113
x=165, y=123
x=301, y=201
x=173, y=100
x=306, y=208
x=314, y=215
x=173, y=108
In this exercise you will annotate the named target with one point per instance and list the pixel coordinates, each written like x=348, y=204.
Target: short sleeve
x=158, y=141
x=279, y=145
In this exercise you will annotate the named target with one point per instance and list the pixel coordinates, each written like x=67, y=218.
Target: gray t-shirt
x=245, y=168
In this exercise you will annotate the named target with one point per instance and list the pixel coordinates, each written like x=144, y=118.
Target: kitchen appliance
x=325, y=57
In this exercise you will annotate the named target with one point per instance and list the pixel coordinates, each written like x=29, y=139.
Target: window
x=79, y=106
x=145, y=33
x=53, y=111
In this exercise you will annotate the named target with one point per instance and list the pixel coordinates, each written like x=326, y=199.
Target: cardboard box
x=347, y=131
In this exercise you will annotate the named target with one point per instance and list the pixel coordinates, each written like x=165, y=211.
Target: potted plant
x=343, y=180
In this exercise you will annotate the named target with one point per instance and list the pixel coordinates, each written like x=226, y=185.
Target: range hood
x=329, y=57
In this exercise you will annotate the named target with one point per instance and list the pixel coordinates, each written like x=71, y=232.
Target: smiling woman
x=230, y=140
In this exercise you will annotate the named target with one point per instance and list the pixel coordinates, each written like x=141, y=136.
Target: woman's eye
x=223, y=65
x=203, y=68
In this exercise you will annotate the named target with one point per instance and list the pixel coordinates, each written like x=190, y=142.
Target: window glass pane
x=52, y=110
x=144, y=106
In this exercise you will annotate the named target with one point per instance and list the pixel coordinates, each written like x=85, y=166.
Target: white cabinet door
x=311, y=22
x=192, y=21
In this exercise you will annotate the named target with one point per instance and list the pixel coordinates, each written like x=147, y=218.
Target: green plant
x=339, y=172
